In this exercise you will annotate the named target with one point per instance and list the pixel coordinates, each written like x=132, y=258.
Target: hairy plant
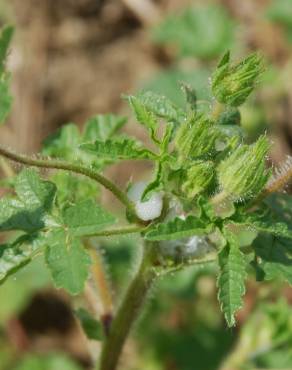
x=211, y=199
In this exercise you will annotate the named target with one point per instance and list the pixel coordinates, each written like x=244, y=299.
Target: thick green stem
x=73, y=167
x=126, y=315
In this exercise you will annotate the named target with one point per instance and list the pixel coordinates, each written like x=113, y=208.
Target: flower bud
x=150, y=209
x=232, y=84
x=196, y=137
x=243, y=174
x=198, y=177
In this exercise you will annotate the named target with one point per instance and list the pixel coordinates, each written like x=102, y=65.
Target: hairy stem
x=73, y=167
x=118, y=231
x=99, y=276
x=126, y=315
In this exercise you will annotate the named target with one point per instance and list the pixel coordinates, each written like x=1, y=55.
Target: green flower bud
x=243, y=174
x=196, y=137
x=198, y=177
x=232, y=84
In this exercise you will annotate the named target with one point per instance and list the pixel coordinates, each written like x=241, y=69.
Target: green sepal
x=196, y=137
x=232, y=84
x=243, y=173
x=198, y=177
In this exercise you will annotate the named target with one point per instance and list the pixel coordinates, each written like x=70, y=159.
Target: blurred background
x=72, y=59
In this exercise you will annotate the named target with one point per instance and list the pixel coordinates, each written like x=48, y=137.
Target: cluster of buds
x=232, y=84
x=243, y=174
x=198, y=177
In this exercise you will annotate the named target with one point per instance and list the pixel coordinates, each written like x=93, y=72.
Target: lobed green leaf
x=86, y=218
x=231, y=279
x=144, y=116
x=275, y=258
x=177, y=229
x=65, y=142
x=67, y=260
x=13, y=256
x=102, y=127
x=28, y=211
x=122, y=148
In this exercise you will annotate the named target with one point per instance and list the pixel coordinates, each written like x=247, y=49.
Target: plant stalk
x=73, y=167
x=118, y=231
x=127, y=313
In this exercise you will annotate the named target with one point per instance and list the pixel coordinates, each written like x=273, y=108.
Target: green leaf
x=15, y=255
x=27, y=212
x=281, y=206
x=231, y=279
x=86, y=218
x=5, y=39
x=73, y=188
x=63, y=143
x=177, y=229
x=159, y=105
x=278, y=228
x=277, y=220
x=92, y=328
x=33, y=191
x=102, y=127
x=122, y=148
x=275, y=258
x=244, y=233
x=144, y=116
x=67, y=260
